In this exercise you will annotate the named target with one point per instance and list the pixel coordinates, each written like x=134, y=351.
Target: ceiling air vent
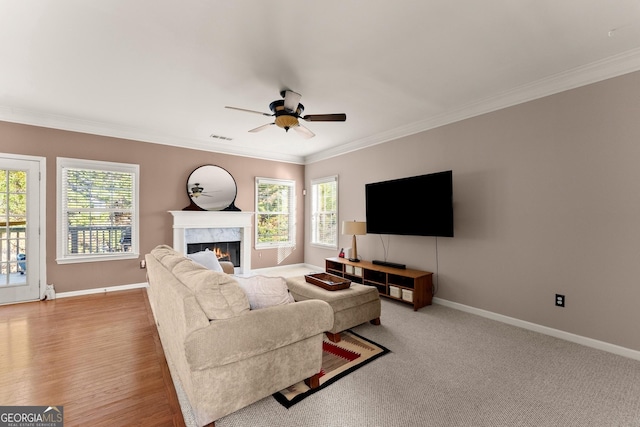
x=224, y=138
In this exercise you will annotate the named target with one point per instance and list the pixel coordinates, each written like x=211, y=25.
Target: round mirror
x=212, y=188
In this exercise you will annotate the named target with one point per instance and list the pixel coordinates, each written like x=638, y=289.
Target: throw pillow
x=263, y=291
x=207, y=259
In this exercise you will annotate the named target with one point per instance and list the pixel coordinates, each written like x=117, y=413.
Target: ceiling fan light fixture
x=286, y=121
x=196, y=190
x=287, y=111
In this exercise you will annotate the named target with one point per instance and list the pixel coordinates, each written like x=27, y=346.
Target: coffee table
x=351, y=307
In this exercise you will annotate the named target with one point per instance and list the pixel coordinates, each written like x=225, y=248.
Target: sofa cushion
x=263, y=291
x=345, y=299
x=256, y=333
x=207, y=259
x=218, y=294
x=220, y=297
x=167, y=256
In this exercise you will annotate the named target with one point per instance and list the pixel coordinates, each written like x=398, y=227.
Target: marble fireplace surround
x=187, y=223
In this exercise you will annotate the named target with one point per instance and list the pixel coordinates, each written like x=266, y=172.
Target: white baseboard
x=578, y=339
x=102, y=290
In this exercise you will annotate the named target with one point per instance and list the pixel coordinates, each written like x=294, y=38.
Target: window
x=324, y=212
x=275, y=213
x=97, y=211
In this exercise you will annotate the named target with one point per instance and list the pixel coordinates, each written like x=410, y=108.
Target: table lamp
x=355, y=228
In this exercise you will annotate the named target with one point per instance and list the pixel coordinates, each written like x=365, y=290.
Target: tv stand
x=389, y=264
x=413, y=287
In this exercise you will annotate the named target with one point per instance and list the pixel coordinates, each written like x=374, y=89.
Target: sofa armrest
x=257, y=332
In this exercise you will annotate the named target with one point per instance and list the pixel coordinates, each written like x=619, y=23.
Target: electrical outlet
x=559, y=300
x=143, y=264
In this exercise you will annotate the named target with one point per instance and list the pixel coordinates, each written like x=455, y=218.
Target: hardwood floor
x=99, y=356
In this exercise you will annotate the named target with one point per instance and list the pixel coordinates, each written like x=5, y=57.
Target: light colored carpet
x=185, y=406
x=451, y=368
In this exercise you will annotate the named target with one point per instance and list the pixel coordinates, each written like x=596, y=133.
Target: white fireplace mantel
x=183, y=220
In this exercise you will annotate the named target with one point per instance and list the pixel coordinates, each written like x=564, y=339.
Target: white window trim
x=318, y=181
x=63, y=162
x=292, y=215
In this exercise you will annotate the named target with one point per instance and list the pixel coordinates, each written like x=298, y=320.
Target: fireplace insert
x=225, y=251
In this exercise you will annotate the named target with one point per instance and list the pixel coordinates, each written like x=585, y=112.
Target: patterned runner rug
x=338, y=359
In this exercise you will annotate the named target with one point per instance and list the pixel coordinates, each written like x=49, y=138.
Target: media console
x=401, y=284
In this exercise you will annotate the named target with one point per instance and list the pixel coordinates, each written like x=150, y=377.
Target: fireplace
x=225, y=251
x=206, y=228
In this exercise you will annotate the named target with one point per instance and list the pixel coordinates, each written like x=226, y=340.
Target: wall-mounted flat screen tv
x=416, y=206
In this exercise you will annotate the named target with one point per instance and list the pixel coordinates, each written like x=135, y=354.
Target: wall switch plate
x=559, y=300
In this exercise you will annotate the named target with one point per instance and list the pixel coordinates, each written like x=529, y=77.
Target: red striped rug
x=338, y=359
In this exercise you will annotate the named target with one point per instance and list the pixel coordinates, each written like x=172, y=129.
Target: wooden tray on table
x=328, y=281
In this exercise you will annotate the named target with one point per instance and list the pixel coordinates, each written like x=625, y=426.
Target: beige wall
x=163, y=174
x=546, y=201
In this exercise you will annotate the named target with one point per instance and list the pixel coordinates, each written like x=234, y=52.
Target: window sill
x=274, y=246
x=97, y=258
x=321, y=246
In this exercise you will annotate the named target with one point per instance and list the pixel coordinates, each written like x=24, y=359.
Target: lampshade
x=356, y=228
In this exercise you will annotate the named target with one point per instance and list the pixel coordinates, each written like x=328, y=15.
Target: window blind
x=324, y=211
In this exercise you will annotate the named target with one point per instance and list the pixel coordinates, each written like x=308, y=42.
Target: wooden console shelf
x=409, y=286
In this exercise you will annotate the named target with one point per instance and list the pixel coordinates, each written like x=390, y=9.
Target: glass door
x=19, y=230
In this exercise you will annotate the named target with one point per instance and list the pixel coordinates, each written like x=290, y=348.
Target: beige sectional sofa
x=226, y=355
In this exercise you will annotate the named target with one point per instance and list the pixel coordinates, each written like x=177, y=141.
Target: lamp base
x=354, y=260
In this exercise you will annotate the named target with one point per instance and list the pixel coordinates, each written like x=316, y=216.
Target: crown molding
x=611, y=67
x=614, y=66
x=60, y=122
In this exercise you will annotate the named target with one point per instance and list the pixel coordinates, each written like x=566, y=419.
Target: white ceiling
x=163, y=71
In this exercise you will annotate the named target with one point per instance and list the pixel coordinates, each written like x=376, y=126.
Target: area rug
x=338, y=359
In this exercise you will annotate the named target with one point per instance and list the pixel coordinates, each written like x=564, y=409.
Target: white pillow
x=263, y=291
x=207, y=259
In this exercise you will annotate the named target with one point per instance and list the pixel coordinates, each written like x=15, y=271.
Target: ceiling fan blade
x=325, y=117
x=249, y=111
x=291, y=100
x=263, y=127
x=304, y=132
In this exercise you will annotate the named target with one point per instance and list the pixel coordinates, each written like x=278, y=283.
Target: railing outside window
x=13, y=246
x=95, y=240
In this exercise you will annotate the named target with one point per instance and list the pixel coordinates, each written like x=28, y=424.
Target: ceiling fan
x=287, y=111
x=197, y=191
